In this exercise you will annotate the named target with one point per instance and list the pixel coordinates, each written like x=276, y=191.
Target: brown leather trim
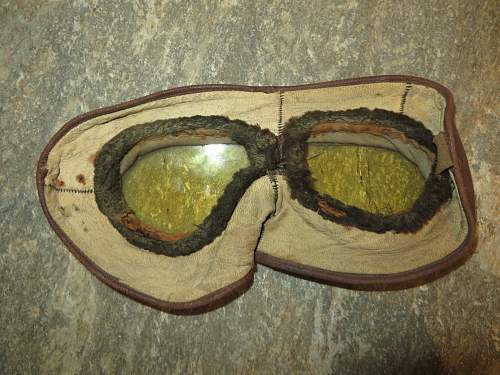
x=380, y=282
x=216, y=299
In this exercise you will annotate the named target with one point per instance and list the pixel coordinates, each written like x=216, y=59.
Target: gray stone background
x=62, y=58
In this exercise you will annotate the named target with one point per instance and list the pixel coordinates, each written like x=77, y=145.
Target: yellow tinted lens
x=174, y=189
x=374, y=179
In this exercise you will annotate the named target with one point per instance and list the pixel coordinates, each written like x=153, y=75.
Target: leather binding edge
x=216, y=299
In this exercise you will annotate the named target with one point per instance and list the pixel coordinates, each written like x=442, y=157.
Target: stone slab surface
x=61, y=58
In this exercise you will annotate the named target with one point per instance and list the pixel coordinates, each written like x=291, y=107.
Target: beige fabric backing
x=228, y=259
x=75, y=152
x=303, y=236
x=180, y=279
x=294, y=233
x=324, y=244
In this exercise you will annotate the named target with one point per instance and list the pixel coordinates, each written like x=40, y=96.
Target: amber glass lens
x=174, y=189
x=374, y=179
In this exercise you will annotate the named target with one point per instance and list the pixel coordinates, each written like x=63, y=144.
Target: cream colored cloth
x=293, y=233
x=324, y=244
x=303, y=236
x=179, y=279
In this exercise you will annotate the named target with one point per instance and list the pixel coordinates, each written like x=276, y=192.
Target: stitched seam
x=281, y=130
x=404, y=96
x=70, y=190
x=274, y=186
x=271, y=174
x=280, y=112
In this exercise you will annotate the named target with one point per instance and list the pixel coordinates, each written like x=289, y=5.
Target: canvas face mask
x=173, y=198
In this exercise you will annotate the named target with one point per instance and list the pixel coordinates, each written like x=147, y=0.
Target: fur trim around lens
x=437, y=188
x=259, y=144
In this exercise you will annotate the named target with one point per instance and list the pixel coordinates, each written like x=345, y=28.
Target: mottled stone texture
x=61, y=58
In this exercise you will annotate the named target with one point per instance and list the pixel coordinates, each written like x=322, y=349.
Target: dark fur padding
x=263, y=154
x=437, y=189
x=260, y=145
